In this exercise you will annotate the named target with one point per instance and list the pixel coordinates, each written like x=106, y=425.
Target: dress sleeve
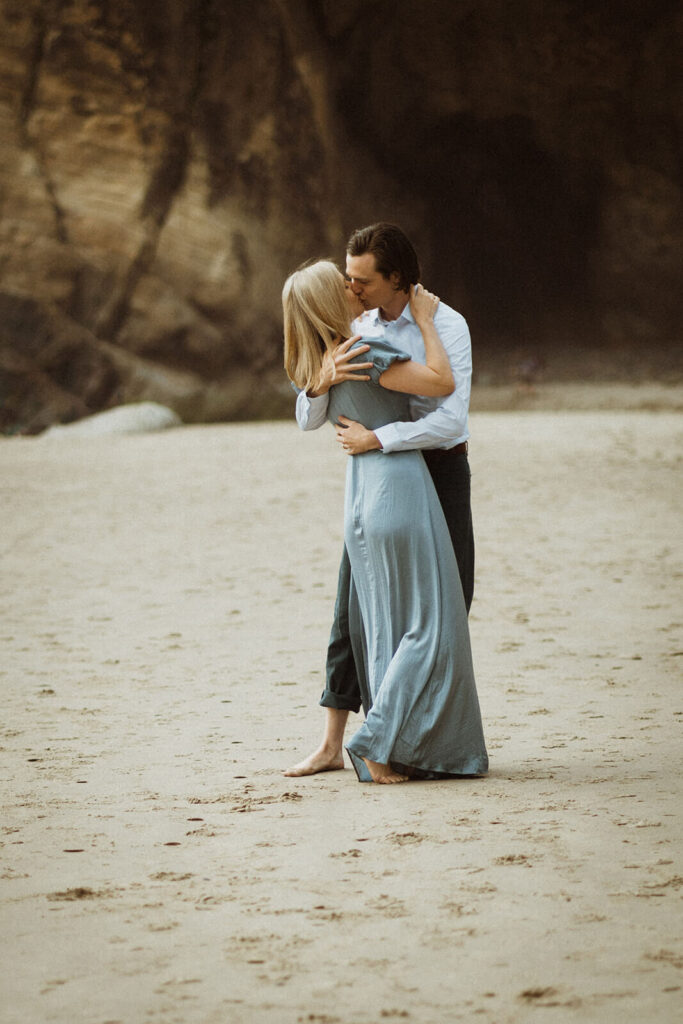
x=381, y=355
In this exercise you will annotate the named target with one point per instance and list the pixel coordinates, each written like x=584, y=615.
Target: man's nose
x=355, y=287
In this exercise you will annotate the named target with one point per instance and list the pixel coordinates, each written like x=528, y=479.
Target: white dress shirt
x=437, y=422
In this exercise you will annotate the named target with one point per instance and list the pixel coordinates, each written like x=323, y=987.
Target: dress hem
x=418, y=773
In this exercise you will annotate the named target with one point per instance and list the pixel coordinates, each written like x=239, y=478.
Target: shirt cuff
x=311, y=412
x=317, y=400
x=387, y=437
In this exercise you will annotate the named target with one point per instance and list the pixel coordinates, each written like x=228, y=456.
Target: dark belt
x=459, y=449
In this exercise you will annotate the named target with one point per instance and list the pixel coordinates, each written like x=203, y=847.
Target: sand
x=166, y=601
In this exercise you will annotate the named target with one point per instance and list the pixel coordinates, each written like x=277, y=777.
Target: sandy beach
x=166, y=601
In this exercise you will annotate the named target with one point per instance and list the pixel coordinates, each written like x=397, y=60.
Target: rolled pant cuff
x=330, y=699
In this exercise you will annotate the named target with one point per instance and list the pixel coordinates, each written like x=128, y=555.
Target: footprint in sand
x=406, y=838
x=170, y=876
x=533, y=995
x=666, y=956
x=389, y=906
x=513, y=858
x=78, y=893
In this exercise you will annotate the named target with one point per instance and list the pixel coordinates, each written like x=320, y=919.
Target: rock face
x=165, y=165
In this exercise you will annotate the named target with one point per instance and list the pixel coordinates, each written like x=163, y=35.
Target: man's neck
x=394, y=309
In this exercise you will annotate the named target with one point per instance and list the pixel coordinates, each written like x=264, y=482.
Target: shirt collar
x=405, y=315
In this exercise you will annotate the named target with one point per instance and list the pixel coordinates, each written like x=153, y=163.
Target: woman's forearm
x=434, y=377
x=436, y=358
x=423, y=305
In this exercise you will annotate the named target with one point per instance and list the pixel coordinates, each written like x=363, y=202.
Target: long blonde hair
x=316, y=315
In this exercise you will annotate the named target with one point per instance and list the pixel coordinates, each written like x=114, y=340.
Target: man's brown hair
x=392, y=249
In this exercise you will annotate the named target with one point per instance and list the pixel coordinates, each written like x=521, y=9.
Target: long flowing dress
x=407, y=613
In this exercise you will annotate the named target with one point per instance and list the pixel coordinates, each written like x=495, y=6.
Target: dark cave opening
x=511, y=229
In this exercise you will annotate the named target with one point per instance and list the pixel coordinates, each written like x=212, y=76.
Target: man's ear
x=395, y=277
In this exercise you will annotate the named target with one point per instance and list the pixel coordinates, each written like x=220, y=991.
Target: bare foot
x=384, y=773
x=321, y=760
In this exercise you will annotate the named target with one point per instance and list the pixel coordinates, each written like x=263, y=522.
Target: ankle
x=331, y=747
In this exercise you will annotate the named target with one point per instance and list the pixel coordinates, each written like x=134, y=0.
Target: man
x=381, y=265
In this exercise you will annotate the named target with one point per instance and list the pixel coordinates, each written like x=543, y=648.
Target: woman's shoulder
x=381, y=354
x=380, y=347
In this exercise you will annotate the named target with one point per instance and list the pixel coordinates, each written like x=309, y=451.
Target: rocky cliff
x=165, y=165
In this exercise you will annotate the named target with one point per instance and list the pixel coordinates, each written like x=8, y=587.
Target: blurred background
x=165, y=164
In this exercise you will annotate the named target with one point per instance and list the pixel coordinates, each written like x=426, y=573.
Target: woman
x=407, y=613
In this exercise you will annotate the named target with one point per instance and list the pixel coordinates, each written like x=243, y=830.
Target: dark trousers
x=450, y=472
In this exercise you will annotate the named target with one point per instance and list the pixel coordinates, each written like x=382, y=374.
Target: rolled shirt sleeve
x=311, y=413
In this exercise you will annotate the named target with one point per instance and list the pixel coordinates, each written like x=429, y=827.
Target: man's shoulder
x=446, y=314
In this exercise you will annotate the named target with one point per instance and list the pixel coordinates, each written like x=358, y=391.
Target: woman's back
x=368, y=402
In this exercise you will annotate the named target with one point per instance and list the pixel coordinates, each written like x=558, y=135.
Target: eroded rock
x=165, y=165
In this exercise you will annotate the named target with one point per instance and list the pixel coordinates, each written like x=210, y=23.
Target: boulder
x=137, y=418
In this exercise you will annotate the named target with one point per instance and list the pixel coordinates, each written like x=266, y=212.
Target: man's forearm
x=444, y=427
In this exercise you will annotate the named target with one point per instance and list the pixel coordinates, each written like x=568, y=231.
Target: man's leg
x=450, y=472
x=342, y=692
x=328, y=757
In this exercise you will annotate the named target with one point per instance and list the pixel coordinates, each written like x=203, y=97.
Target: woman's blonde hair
x=316, y=315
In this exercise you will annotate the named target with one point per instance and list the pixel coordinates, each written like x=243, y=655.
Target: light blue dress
x=407, y=613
